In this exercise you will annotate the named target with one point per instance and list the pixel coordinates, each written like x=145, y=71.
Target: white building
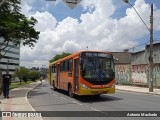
x=11, y=59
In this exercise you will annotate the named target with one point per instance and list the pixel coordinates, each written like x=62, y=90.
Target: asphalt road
x=43, y=98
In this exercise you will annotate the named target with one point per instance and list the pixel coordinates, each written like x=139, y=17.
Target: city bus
x=84, y=73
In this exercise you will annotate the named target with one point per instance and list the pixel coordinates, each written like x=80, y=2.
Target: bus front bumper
x=97, y=91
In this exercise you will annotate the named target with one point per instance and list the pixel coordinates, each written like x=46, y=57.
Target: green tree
x=21, y=73
x=58, y=56
x=15, y=27
x=34, y=75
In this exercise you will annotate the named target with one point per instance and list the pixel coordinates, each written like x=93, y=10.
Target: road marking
x=49, y=92
x=46, y=90
x=95, y=109
x=54, y=95
x=63, y=98
x=76, y=102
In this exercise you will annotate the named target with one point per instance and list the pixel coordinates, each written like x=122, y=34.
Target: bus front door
x=76, y=75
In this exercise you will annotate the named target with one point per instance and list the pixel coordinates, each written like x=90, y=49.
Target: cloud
x=96, y=29
x=45, y=21
x=25, y=7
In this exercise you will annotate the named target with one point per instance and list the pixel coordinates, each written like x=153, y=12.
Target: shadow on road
x=37, y=91
x=101, y=98
x=90, y=99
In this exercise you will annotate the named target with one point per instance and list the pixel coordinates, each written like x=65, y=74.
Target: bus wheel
x=96, y=96
x=54, y=88
x=70, y=92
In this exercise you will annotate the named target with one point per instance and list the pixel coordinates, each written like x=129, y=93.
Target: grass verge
x=17, y=84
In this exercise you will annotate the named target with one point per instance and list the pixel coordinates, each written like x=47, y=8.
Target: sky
x=106, y=25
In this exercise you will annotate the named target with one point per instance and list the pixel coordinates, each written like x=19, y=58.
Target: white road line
x=54, y=95
x=76, y=102
x=63, y=98
x=95, y=109
x=46, y=90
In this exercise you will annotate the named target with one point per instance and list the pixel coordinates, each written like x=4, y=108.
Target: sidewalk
x=18, y=102
x=137, y=89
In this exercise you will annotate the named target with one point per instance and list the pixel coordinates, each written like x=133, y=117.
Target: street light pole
x=151, y=66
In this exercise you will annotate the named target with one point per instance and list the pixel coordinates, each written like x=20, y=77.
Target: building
x=11, y=58
x=140, y=65
x=133, y=68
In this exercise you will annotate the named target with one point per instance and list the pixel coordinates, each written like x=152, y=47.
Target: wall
x=139, y=74
x=123, y=73
x=136, y=74
x=156, y=74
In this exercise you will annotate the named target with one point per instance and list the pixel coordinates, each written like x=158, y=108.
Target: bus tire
x=70, y=92
x=54, y=88
x=96, y=96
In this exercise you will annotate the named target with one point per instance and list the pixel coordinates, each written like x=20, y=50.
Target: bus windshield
x=97, y=69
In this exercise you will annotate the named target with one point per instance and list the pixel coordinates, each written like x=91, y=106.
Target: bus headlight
x=84, y=86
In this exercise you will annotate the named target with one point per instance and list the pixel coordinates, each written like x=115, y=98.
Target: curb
x=139, y=92
x=27, y=98
x=27, y=95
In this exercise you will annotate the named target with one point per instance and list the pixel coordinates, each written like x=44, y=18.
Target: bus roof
x=75, y=54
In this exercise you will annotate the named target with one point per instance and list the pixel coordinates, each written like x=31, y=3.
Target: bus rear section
x=85, y=73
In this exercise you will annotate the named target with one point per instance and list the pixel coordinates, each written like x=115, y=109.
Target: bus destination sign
x=96, y=54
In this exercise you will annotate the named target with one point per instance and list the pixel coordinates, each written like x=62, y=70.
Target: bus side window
x=54, y=69
x=70, y=65
x=66, y=65
x=61, y=67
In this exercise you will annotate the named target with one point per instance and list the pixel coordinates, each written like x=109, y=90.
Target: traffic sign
x=72, y=3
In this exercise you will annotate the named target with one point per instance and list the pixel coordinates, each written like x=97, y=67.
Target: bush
x=33, y=75
x=21, y=73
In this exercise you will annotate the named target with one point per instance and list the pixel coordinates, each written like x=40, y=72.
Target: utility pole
x=151, y=66
x=151, y=52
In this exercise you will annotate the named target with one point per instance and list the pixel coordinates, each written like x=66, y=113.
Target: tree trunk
x=20, y=80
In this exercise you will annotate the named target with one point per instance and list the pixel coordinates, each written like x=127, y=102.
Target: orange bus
x=84, y=73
